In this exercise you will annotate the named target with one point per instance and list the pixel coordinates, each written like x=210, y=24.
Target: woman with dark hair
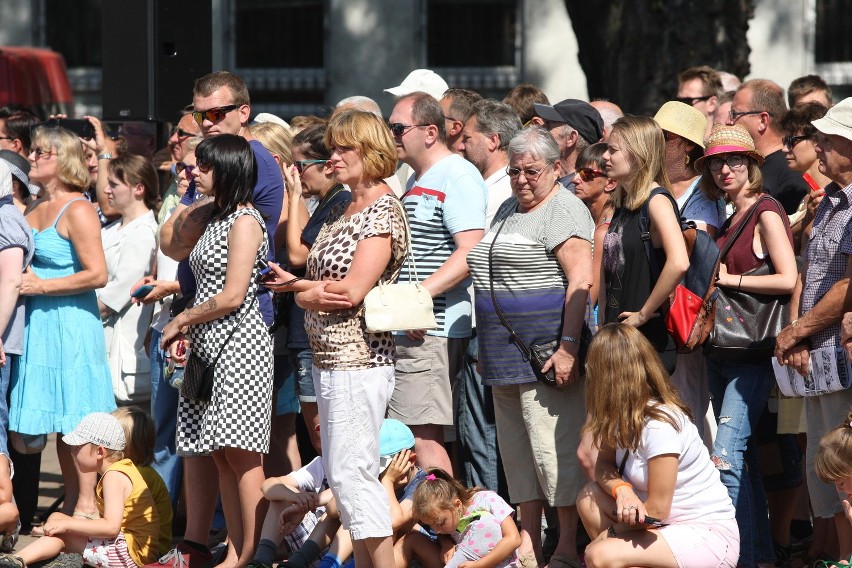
x=740, y=389
x=63, y=373
x=234, y=424
x=130, y=243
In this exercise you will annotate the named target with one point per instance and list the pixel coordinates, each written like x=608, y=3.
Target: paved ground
x=50, y=486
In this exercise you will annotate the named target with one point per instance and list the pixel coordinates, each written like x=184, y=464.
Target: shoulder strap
x=645, y=228
x=66, y=206
x=233, y=329
x=623, y=463
x=502, y=316
x=752, y=210
x=409, y=251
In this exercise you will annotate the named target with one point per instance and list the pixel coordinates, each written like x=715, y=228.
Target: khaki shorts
x=539, y=426
x=423, y=390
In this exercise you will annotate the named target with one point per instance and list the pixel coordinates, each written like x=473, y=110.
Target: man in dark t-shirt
x=758, y=106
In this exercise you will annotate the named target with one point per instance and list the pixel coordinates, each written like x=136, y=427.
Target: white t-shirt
x=699, y=492
x=310, y=477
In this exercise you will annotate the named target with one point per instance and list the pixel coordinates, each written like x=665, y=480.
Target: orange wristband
x=620, y=484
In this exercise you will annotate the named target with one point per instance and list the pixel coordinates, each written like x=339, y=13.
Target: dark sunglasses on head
x=791, y=141
x=589, y=174
x=398, y=128
x=213, y=114
x=692, y=100
x=302, y=165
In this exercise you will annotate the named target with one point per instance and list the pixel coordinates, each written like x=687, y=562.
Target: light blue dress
x=63, y=374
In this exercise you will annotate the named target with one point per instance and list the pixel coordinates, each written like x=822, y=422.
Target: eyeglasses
x=791, y=141
x=692, y=100
x=734, y=115
x=734, y=161
x=398, y=128
x=589, y=174
x=529, y=173
x=40, y=153
x=180, y=166
x=204, y=167
x=213, y=114
x=302, y=165
x=184, y=134
x=670, y=136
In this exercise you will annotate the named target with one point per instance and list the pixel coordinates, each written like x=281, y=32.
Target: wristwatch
x=105, y=156
x=569, y=339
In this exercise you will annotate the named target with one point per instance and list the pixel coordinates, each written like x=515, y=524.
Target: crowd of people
x=549, y=417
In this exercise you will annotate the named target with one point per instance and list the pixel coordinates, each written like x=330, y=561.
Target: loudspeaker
x=153, y=50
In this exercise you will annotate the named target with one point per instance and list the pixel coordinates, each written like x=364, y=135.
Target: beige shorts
x=423, y=390
x=539, y=426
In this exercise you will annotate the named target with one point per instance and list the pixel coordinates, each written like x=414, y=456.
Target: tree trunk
x=633, y=50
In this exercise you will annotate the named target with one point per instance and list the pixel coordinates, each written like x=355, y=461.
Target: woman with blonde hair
x=61, y=378
x=656, y=500
x=631, y=292
x=353, y=368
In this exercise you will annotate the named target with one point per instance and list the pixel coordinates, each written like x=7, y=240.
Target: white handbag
x=401, y=306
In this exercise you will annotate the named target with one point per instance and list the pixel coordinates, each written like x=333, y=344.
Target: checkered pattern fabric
x=827, y=254
x=238, y=416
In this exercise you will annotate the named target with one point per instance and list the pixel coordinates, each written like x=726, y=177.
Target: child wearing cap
x=125, y=536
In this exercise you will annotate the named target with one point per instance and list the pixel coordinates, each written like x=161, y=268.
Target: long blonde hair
x=642, y=140
x=626, y=384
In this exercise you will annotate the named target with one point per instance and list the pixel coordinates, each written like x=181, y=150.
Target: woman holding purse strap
x=761, y=235
x=353, y=368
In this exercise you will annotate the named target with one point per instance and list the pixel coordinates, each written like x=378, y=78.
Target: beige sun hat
x=733, y=139
x=684, y=120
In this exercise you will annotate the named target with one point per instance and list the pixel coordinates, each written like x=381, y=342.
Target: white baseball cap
x=98, y=428
x=424, y=80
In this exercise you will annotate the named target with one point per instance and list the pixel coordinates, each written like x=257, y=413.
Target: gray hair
x=535, y=141
x=494, y=117
x=360, y=102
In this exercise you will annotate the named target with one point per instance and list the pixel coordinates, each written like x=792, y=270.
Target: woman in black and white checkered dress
x=234, y=425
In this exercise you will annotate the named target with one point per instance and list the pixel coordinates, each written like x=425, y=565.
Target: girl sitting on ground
x=479, y=523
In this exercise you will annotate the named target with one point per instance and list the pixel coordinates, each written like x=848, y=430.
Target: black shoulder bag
x=537, y=353
x=197, y=377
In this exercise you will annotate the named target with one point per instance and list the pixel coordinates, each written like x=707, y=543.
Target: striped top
x=529, y=282
x=449, y=198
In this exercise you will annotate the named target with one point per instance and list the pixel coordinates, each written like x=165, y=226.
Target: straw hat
x=726, y=139
x=684, y=120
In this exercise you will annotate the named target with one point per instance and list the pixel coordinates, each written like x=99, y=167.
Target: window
x=74, y=30
x=279, y=33
x=471, y=33
x=833, y=21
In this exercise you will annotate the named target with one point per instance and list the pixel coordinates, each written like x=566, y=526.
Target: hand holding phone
x=265, y=272
x=142, y=291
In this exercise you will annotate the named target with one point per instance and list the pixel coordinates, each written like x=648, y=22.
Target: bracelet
x=740, y=285
x=620, y=484
x=292, y=281
x=105, y=156
x=569, y=339
x=610, y=532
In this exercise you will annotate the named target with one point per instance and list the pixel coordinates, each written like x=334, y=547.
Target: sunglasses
x=734, y=115
x=791, y=141
x=38, y=153
x=589, y=174
x=529, y=174
x=302, y=165
x=734, y=161
x=180, y=166
x=692, y=100
x=398, y=128
x=184, y=134
x=213, y=114
x=204, y=167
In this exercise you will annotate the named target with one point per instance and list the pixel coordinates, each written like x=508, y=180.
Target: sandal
x=527, y=561
x=564, y=562
x=87, y=516
x=11, y=561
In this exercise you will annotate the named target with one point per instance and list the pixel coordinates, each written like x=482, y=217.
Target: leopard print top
x=339, y=339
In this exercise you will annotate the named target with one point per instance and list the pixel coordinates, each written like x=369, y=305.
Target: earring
x=686, y=160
